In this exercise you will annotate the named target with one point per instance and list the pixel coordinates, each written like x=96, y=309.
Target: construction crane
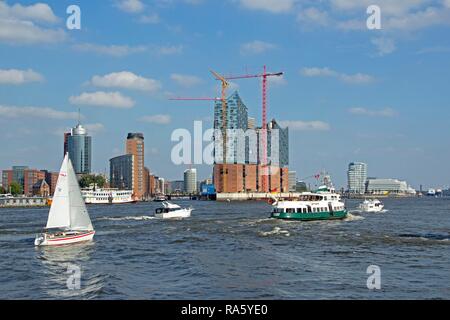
x=264, y=77
x=225, y=85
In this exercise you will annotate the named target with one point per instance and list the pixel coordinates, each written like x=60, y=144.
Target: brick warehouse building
x=245, y=174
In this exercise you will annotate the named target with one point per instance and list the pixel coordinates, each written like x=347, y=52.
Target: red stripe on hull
x=70, y=238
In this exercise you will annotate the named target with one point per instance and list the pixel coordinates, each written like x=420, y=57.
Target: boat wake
x=275, y=231
x=136, y=218
x=351, y=217
x=426, y=236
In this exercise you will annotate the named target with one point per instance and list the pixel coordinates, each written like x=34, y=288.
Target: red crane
x=264, y=77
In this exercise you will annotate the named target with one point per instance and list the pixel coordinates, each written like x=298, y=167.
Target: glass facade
x=79, y=146
x=277, y=145
x=236, y=119
x=19, y=175
x=121, y=172
x=357, y=177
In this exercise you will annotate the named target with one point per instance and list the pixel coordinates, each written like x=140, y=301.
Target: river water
x=233, y=251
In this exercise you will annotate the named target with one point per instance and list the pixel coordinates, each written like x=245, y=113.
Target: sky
x=349, y=93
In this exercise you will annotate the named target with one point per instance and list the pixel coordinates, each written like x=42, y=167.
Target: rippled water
x=233, y=251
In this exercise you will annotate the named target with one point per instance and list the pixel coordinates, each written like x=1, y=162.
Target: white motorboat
x=68, y=220
x=172, y=211
x=371, y=205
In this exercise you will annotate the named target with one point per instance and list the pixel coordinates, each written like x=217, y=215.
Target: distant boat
x=172, y=211
x=372, y=205
x=160, y=198
x=68, y=220
x=431, y=192
x=107, y=196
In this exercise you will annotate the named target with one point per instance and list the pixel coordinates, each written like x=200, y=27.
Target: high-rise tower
x=135, y=146
x=79, y=147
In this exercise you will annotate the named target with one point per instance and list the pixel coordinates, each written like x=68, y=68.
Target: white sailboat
x=68, y=220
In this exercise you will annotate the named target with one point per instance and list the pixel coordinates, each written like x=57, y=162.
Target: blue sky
x=348, y=94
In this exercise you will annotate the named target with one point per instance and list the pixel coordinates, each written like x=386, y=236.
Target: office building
x=177, y=186
x=357, y=177
x=79, y=147
x=121, y=172
x=135, y=147
x=66, y=142
x=292, y=181
x=190, y=180
x=388, y=186
x=7, y=179
x=30, y=178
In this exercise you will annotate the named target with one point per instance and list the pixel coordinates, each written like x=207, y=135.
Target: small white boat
x=159, y=198
x=372, y=205
x=68, y=220
x=172, y=211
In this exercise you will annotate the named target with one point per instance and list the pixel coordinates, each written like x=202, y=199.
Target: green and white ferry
x=323, y=204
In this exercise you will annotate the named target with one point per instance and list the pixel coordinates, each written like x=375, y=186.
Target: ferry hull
x=311, y=216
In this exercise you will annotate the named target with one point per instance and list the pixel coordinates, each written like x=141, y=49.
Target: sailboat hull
x=48, y=239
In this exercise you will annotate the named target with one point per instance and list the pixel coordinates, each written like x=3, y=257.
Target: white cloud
x=277, y=81
x=35, y=112
x=152, y=18
x=357, y=78
x=273, y=6
x=169, y=50
x=318, y=72
x=126, y=80
x=387, y=112
x=94, y=128
x=431, y=16
x=17, y=77
x=157, y=119
x=111, y=50
x=14, y=31
x=125, y=50
x=185, y=80
x=389, y=7
x=130, y=6
x=298, y=125
x=384, y=45
x=39, y=12
x=256, y=47
x=103, y=99
x=313, y=16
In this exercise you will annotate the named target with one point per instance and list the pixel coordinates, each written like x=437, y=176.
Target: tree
x=16, y=188
x=2, y=190
x=88, y=179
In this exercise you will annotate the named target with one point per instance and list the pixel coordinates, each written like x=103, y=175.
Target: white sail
x=59, y=215
x=68, y=210
x=79, y=217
